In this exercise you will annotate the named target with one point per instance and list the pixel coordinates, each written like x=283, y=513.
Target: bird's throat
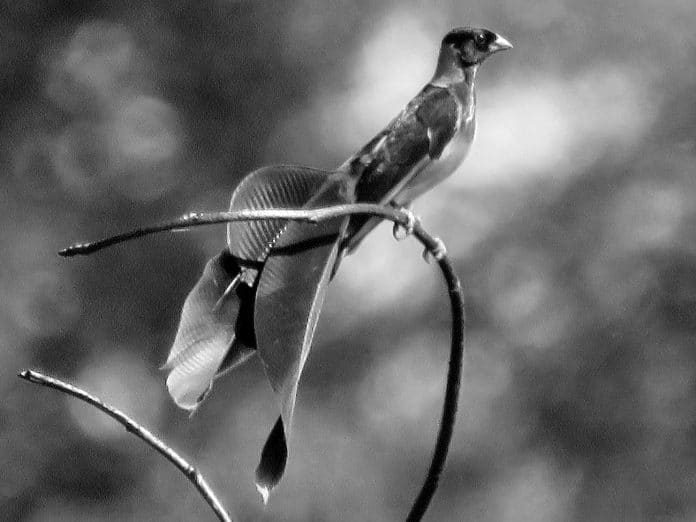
x=457, y=79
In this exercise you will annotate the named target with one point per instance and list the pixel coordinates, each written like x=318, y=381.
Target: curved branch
x=454, y=379
x=403, y=218
x=133, y=427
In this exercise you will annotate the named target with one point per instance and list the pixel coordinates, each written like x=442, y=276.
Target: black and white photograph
x=309, y=261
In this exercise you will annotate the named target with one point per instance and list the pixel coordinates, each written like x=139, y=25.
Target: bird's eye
x=480, y=40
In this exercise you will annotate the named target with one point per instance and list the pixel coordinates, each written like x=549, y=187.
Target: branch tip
x=143, y=434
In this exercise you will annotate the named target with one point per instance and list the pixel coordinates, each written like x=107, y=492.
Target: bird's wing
x=291, y=289
x=387, y=163
x=420, y=132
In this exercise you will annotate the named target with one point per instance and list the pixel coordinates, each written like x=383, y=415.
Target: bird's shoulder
x=424, y=126
x=439, y=111
x=435, y=106
x=433, y=109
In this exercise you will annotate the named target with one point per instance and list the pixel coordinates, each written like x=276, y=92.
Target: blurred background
x=572, y=225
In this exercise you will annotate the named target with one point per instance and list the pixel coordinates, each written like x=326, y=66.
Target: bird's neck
x=460, y=81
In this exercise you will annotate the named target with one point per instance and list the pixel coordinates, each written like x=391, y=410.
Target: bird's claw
x=401, y=232
x=437, y=252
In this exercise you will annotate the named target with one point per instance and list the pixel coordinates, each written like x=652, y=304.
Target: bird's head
x=467, y=47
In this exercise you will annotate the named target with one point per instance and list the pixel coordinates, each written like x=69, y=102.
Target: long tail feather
x=291, y=292
x=207, y=338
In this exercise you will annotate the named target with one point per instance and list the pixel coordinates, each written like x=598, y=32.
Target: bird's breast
x=437, y=170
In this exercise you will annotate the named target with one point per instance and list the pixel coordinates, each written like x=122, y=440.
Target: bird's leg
x=399, y=231
x=437, y=253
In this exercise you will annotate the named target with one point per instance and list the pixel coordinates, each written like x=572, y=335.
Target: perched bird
x=263, y=294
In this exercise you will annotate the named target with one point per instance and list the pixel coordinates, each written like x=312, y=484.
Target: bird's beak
x=499, y=44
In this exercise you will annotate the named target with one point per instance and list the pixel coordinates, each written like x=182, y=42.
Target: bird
x=263, y=293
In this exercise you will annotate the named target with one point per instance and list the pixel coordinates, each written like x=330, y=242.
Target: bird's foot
x=438, y=252
x=400, y=231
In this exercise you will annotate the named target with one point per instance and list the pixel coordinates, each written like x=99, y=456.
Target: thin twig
x=404, y=218
x=197, y=219
x=133, y=427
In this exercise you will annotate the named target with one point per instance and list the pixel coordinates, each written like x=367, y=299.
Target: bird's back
x=423, y=145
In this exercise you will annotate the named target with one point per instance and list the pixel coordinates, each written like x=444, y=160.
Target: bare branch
x=454, y=376
x=172, y=456
x=402, y=217
x=197, y=219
